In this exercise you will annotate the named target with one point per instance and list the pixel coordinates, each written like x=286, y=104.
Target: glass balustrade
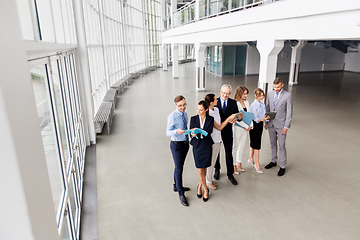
x=207, y=8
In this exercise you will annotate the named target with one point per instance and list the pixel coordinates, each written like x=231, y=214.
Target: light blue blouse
x=257, y=108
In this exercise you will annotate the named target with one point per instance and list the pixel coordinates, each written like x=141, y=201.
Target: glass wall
x=229, y=60
x=59, y=111
x=46, y=115
x=226, y=60
x=214, y=59
x=240, y=60
x=153, y=21
x=121, y=37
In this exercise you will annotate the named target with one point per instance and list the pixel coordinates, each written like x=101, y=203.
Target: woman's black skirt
x=202, y=155
x=255, y=135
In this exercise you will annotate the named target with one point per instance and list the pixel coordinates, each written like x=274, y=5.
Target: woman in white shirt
x=216, y=136
x=239, y=132
x=258, y=109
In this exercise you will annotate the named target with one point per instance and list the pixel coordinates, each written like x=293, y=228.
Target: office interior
x=63, y=179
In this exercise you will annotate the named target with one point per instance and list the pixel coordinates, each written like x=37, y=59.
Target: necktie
x=276, y=98
x=224, y=107
x=185, y=125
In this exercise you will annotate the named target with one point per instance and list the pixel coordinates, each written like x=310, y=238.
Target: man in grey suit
x=281, y=102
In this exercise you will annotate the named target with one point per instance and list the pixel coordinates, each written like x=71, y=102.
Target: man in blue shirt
x=179, y=145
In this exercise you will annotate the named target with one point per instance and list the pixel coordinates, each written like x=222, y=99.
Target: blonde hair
x=240, y=90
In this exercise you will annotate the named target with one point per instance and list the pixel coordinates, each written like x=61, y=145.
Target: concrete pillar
x=165, y=57
x=269, y=50
x=175, y=59
x=200, y=66
x=173, y=16
x=184, y=49
x=295, y=63
x=84, y=79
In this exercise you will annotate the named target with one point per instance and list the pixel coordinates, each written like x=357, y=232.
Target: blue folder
x=247, y=118
x=196, y=131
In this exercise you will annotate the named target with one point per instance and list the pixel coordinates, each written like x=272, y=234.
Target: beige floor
x=318, y=198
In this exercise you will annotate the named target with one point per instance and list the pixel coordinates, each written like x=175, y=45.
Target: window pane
x=74, y=201
x=47, y=126
x=60, y=112
x=229, y=60
x=66, y=229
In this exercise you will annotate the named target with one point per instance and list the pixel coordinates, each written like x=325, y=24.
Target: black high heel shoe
x=197, y=190
x=205, y=199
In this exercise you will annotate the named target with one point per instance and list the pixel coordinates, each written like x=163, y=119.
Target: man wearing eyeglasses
x=179, y=145
x=227, y=107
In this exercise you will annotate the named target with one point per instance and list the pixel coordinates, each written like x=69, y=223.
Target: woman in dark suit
x=202, y=145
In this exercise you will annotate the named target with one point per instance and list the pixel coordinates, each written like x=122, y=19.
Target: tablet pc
x=237, y=116
x=271, y=114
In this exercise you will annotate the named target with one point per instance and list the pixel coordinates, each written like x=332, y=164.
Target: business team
x=278, y=100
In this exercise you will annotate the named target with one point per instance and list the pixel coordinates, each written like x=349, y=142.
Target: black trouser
x=179, y=151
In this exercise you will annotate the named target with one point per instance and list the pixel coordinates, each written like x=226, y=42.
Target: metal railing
x=208, y=8
x=185, y=14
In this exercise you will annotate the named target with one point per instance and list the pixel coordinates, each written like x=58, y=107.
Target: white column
x=295, y=63
x=175, y=59
x=84, y=78
x=185, y=47
x=269, y=50
x=27, y=208
x=125, y=31
x=165, y=57
x=146, y=42
x=200, y=66
x=197, y=10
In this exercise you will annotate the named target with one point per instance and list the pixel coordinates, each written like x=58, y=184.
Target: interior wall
x=252, y=61
x=313, y=56
x=352, y=61
x=284, y=58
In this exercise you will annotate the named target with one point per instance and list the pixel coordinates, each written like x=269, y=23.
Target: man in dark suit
x=227, y=106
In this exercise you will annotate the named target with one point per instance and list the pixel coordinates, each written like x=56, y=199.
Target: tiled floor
x=318, y=198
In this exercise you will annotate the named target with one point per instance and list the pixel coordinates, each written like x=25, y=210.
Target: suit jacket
x=230, y=109
x=283, y=109
x=208, y=127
